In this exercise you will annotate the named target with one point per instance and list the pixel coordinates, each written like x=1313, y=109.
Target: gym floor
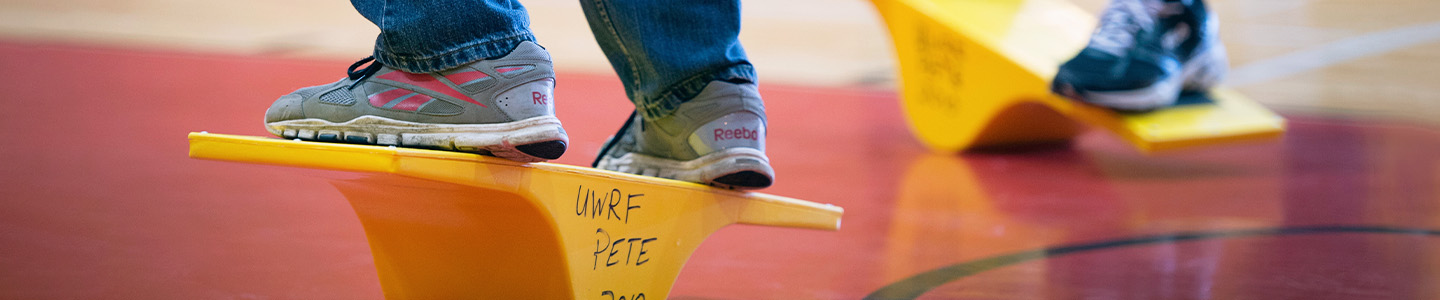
x=1345, y=206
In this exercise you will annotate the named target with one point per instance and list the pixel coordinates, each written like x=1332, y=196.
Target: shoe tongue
x=1119, y=24
x=1123, y=20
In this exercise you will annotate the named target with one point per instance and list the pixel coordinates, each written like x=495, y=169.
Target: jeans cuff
x=670, y=99
x=455, y=56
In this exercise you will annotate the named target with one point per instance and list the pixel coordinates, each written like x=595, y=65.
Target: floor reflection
x=1283, y=219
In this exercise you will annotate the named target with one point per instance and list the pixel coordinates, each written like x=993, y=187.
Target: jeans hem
x=456, y=56
x=670, y=99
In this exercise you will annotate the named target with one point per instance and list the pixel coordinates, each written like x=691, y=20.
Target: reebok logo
x=741, y=133
x=540, y=98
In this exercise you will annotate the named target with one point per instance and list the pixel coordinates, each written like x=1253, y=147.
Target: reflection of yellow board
x=447, y=225
x=976, y=73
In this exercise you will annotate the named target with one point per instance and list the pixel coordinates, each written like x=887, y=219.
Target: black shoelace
x=615, y=139
x=362, y=74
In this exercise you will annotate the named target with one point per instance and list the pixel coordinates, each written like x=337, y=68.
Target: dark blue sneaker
x=1143, y=54
x=1202, y=55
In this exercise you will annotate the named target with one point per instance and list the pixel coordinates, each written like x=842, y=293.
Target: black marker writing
x=622, y=297
x=611, y=248
x=609, y=204
x=642, y=251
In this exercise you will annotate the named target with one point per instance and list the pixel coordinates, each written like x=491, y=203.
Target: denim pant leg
x=421, y=36
x=667, y=51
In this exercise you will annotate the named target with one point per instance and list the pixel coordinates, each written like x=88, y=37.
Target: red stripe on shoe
x=382, y=98
x=508, y=70
x=413, y=103
x=466, y=77
x=428, y=82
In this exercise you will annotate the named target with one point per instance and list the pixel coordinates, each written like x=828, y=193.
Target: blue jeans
x=665, y=52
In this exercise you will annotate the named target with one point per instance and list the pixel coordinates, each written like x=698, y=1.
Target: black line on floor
x=914, y=286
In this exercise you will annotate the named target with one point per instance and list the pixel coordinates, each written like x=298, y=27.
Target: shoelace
x=1119, y=24
x=361, y=75
x=615, y=139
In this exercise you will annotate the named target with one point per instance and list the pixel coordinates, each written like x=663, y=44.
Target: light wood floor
x=1354, y=58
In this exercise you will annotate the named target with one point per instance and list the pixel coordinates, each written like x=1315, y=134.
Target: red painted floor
x=98, y=200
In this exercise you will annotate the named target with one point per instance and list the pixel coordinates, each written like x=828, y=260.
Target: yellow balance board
x=447, y=225
x=976, y=73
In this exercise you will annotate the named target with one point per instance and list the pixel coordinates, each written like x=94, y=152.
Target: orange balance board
x=976, y=73
x=448, y=225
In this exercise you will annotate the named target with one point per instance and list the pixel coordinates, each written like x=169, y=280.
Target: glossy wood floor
x=1334, y=57
x=100, y=201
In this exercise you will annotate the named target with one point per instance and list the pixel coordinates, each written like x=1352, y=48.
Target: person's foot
x=502, y=107
x=1143, y=54
x=1204, y=62
x=717, y=138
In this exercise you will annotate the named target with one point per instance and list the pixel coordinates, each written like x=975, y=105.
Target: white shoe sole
x=498, y=139
x=1160, y=94
x=705, y=169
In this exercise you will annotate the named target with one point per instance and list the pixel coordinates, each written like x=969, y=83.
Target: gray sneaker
x=717, y=138
x=502, y=107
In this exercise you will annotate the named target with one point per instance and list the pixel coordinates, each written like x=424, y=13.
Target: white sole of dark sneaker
x=735, y=168
x=529, y=140
x=1161, y=94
